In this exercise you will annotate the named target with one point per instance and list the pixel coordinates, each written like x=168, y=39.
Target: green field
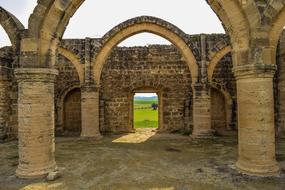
x=144, y=116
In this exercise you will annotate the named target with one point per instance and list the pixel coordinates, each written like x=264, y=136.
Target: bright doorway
x=145, y=110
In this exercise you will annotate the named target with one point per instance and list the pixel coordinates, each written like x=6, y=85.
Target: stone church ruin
x=206, y=83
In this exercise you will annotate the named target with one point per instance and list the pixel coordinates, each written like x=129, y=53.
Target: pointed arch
x=13, y=28
x=234, y=20
x=75, y=60
x=278, y=24
x=60, y=104
x=215, y=60
x=50, y=18
x=138, y=25
x=228, y=103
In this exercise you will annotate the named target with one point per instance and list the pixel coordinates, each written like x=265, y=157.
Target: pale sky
x=96, y=17
x=145, y=94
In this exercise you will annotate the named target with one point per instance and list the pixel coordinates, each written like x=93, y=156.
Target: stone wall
x=224, y=80
x=160, y=68
x=116, y=73
x=66, y=81
x=8, y=95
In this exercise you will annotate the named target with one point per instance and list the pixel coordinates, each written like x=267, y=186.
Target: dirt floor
x=143, y=160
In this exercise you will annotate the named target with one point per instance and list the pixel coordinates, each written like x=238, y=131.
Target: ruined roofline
x=189, y=36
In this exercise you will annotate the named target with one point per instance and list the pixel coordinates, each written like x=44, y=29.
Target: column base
x=35, y=174
x=258, y=170
x=95, y=137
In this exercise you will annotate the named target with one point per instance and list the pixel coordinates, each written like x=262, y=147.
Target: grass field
x=144, y=116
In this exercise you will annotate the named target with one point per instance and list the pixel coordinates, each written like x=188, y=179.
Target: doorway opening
x=145, y=110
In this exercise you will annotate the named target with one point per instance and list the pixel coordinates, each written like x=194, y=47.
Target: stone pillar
x=4, y=106
x=201, y=112
x=255, y=100
x=90, y=113
x=36, y=121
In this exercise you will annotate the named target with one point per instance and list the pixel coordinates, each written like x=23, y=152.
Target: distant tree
x=154, y=106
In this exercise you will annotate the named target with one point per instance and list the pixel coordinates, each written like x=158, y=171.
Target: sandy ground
x=143, y=160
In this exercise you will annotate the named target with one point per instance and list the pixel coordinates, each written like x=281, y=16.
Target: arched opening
x=4, y=38
x=159, y=69
x=224, y=92
x=72, y=113
x=8, y=114
x=218, y=111
x=139, y=25
x=79, y=26
x=62, y=13
x=69, y=79
x=21, y=9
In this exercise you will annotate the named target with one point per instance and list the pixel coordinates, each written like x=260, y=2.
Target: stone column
x=4, y=106
x=36, y=121
x=90, y=113
x=201, y=112
x=256, y=139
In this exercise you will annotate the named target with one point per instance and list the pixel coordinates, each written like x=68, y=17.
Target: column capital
x=201, y=89
x=201, y=86
x=90, y=87
x=255, y=71
x=35, y=74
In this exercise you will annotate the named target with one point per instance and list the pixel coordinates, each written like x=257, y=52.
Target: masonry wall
x=157, y=67
x=224, y=80
x=8, y=94
x=218, y=110
x=66, y=81
x=160, y=68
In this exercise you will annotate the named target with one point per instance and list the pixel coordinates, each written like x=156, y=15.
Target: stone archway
x=215, y=60
x=13, y=28
x=50, y=18
x=278, y=23
x=75, y=60
x=60, y=107
x=72, y=112
x=236, y=24
x=138, y=25
x=153, y=70
x=222, y=100
x=59, y=13
x=48, y=23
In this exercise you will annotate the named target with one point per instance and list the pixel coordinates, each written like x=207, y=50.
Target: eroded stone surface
x=253, y=28
x=143, y=161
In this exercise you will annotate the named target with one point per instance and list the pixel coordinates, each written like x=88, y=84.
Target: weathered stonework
x=160, y=69
x=90, y=113
x=128, y=66
x=36, y=122
x=5, y=89
x=253, y=30
x=256, y=155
